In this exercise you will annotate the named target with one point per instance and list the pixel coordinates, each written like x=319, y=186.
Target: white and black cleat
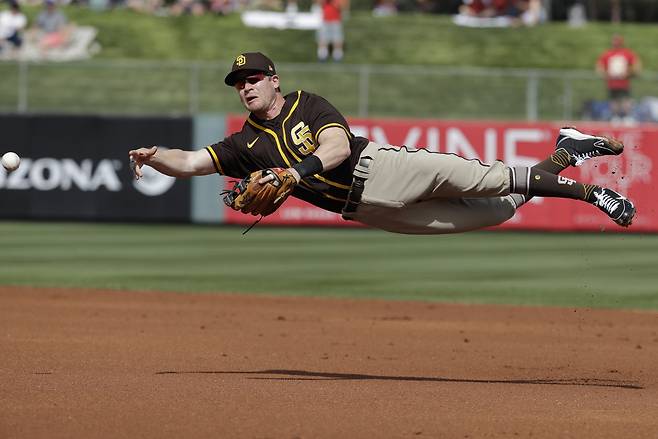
x=582, y=146
x=620, y=209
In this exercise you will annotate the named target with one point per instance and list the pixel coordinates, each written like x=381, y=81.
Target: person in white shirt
x=12, y=22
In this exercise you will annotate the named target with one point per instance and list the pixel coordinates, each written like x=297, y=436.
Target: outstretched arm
x=636, y=67
x=172, y=162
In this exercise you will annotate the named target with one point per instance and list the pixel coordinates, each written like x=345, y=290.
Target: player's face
x=257, y=91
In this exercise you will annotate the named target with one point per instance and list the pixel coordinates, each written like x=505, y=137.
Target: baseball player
x=300, y=145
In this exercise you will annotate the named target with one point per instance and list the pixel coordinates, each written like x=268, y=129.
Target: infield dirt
x=106, y=364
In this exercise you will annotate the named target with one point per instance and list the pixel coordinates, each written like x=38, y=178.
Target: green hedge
x=403, y=39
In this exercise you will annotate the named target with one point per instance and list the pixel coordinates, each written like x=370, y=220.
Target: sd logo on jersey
x=302, y=138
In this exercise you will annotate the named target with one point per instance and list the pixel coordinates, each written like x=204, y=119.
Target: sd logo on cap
x=250, y=61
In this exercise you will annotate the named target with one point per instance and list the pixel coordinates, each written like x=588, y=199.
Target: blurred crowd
x=50, y=30
x=470, y=12
x=486, y=13
x=470, y=8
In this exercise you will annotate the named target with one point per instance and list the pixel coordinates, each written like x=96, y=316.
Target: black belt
x=356, y=189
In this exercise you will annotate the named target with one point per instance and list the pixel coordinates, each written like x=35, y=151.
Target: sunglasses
x=251, y=79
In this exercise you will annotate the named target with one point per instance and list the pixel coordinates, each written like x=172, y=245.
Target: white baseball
x=11, y=161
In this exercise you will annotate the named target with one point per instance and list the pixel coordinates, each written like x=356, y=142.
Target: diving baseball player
x=300, y=145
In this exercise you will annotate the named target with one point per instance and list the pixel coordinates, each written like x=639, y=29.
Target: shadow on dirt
x=298, y=375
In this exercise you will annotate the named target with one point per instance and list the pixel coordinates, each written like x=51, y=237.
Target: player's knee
x=502, y=209
x=507, y=209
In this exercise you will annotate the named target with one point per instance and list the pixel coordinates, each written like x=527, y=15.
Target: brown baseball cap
x=255, y=61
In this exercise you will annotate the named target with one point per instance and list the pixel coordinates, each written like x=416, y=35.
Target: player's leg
x=418, y=191
x=574, y=147
x=403, y=176
x=531, y=182
x=399, y=177
x=438, y=216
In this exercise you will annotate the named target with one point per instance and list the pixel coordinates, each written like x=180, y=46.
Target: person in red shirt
x=618, y=65
x=331, y=29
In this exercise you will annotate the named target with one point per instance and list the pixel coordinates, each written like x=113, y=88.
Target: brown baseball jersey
x=288, y=139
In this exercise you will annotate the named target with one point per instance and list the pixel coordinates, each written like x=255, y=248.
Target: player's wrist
x=311, y=165
x=295, y=174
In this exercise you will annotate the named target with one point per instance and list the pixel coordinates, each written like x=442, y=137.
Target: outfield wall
x=75, y=167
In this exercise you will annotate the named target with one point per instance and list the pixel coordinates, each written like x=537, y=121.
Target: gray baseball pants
x=422, y=192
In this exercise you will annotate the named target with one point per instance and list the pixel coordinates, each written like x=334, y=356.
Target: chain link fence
x=181, y=88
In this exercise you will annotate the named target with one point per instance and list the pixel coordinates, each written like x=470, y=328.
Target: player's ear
x=275, y=81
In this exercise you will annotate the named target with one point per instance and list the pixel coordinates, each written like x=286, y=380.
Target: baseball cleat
x=581, y=146
x=620, y=209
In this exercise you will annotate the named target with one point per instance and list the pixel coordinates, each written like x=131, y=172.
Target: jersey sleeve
x=322, y=115
x=225, y=157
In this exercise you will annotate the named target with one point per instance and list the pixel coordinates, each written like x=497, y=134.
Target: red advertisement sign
x=517, y=144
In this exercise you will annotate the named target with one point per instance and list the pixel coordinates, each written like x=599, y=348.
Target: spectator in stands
x=187, y=7
x=524, y=12
x=618, y=65
x=51, y=27
x=484, y=8
x=532, y=12
x=221, y=7
x=155, y=7
x=12, y=23
x=385, y=8
x=330, y=33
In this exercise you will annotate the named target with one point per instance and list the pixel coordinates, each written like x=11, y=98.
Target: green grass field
x=583, y=270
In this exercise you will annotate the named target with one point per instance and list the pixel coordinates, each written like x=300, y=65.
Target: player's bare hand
x=138, y=157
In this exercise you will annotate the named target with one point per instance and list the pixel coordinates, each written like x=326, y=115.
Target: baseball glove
x=249, y=196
